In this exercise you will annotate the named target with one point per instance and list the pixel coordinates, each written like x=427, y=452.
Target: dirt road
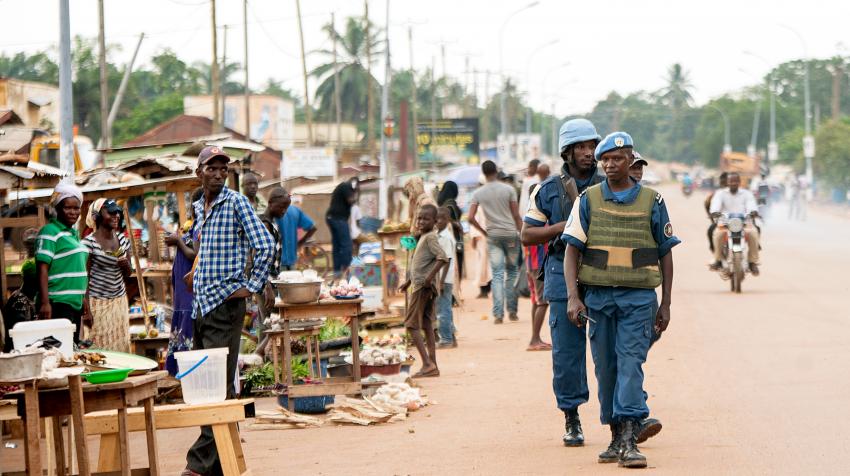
x=746, y=384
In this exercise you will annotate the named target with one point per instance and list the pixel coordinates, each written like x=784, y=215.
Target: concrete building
x=271, y=122
x=36, y=104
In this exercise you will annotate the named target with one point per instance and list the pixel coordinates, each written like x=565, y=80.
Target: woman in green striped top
x=61, y=261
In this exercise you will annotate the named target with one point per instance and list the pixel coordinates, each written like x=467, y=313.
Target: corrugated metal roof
x=13, y=139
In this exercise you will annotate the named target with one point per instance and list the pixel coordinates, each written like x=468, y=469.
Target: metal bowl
x=299, y=293
x=20, y=367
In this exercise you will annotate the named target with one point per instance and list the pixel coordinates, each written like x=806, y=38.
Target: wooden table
x=390, y=241
x=28, y=411
x=328, y=308
x=80, y=398
x=278, y=339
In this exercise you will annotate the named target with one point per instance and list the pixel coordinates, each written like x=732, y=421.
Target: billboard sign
x=308, y=162
x=448, y=141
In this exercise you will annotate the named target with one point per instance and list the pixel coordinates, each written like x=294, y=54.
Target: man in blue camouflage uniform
x=619, y=249
x=548, y=209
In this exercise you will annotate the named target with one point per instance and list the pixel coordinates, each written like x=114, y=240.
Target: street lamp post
x=543, y=100
x=528, y=81
x=727, y=146
x=772, y=146
x=751, y=149
x=808, y=139
x=503, y=102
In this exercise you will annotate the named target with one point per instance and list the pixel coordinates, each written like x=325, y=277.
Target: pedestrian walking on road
x=428, y=259
x=619, y=240
x=343, y=198
x=499, y=202
x=445, y=316
x=229, y=230
x=548, y=210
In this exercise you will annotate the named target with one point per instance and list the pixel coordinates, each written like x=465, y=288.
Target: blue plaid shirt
x=227, y=234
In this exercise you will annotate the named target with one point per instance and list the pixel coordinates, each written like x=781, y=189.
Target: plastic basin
x=107, y=376
x=203, y=375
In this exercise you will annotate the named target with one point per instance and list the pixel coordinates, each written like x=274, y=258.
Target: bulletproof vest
x=620, y=249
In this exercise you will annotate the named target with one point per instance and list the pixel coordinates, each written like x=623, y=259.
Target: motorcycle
x=735, y=265
x=687, y=188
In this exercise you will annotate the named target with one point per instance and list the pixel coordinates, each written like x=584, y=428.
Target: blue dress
x=181, y=321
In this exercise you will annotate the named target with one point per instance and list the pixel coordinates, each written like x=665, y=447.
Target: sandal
x=430, y=373
x=539, y=347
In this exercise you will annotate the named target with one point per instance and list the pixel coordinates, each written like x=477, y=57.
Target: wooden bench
x=222, y=417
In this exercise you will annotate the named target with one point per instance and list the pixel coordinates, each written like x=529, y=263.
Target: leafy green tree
x=36, y=67
x=833, y=154
x=354, y=78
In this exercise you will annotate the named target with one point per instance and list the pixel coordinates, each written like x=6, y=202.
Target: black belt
x=641, y=257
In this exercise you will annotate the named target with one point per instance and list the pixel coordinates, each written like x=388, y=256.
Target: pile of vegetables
x=333, y=329
x=399, y=395
x=381, y=356
x=261, y=377
x=351, y=288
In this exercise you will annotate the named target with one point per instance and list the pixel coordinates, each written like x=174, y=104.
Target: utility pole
x=337, y=102
x=104, y=91
x=223, y=76
x=837, y=73
x=413, y=101
x=247, y=88
x=119, y=96
x=307, y=111
x=385, y=173
x=66, y=100
x=370, y=103
x=433, y=100
x=216, y=120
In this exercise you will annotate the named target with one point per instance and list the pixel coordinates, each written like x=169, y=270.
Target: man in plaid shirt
x=229, y=229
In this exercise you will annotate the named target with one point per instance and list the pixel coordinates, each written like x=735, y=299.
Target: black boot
x=612, y=454
x=573, y=435
x=649, y=427
x=630, y=457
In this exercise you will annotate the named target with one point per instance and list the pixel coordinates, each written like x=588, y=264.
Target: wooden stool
x=222, y=417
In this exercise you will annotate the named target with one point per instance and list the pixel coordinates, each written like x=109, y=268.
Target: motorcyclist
x=687, y=183
x=741, y=201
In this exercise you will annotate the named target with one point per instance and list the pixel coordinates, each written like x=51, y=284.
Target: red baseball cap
x=210, y=152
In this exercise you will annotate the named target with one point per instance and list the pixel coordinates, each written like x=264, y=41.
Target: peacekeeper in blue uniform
x=549, y=207
x=619, y=240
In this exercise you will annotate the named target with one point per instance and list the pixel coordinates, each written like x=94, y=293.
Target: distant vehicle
x=746, y=166
x=45, y=150
x=650, y=177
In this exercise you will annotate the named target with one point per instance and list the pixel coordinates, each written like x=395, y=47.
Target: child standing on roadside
x=428, y=259
x=444, y=301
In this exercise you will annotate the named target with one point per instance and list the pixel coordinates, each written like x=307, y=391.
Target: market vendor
x=250, y=186
x=108, y=266
x=20, y=307
x=343, y=198
x=61, y=260
x=182, y=325
x=414, y=190
x=293, y=220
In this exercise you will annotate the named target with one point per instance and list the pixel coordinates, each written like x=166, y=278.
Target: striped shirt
x=228, y=231
x=106, y=280
x=59, y=246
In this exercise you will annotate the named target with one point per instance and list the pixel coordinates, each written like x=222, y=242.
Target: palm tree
x=353, y=76
x=677, y=94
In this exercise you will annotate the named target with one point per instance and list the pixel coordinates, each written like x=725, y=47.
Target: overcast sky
x=622, y=45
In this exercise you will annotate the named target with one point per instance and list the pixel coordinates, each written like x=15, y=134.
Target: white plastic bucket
x=25, y=333
x=203, y=381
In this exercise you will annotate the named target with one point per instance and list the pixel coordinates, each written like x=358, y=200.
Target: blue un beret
x=613, y=141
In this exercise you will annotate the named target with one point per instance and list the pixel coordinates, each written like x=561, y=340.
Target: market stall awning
x=183, y=183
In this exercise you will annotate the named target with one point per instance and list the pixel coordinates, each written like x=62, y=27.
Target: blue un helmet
x=614, y=141
x=575, y=131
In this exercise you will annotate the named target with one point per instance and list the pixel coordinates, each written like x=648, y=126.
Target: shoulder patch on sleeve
x=668, y=230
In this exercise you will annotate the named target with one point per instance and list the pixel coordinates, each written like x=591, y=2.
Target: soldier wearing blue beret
x=548, y=209
x=619, y=241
